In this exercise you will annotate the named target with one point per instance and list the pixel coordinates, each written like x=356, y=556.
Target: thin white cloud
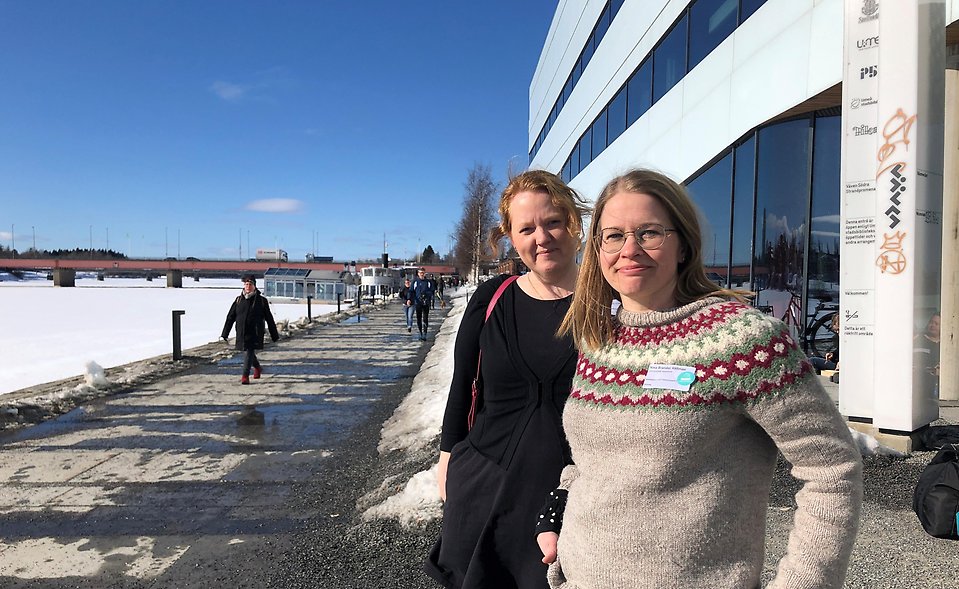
x=5, y=235
x=228, y=90
x=276, y=205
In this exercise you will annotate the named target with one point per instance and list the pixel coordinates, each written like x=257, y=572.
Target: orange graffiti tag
x=895, y=132
x=892, y=260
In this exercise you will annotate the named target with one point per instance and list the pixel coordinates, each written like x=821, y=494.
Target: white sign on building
x=891, y=207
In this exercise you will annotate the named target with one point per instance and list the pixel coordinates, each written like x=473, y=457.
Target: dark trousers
x=249, y=360
x=422, y=317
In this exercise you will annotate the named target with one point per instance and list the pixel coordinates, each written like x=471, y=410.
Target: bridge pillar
x=174, y=279
x=64, y=277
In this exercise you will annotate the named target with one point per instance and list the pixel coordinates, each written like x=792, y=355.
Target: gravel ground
x=338, y=550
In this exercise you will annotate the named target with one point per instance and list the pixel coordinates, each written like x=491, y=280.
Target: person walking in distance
x=681, y=403
x=404, y=295
x=250, y=311
x=421, y=298
x=493, y=476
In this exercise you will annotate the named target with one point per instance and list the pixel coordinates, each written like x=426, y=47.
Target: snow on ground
x=61, y=330
x=53, y=333
x=416, y=424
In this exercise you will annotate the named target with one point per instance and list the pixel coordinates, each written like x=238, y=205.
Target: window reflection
x=616, y=116
x=710, y=22
x=599, y=134
x=712, y=191
x=782, y=200
x=669, y=60
x=638, y=92
x=743, y=205
x=823, y=268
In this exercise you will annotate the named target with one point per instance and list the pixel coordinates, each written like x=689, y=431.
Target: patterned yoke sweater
x=670, y=488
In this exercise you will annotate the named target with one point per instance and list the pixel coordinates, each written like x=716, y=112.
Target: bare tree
x=479, y=215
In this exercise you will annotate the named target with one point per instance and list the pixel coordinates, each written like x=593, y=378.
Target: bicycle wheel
x=819, y=338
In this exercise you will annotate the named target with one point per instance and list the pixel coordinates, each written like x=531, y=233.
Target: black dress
x=501, y=471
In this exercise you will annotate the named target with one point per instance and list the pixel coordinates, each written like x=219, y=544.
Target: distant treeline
x=74, y=254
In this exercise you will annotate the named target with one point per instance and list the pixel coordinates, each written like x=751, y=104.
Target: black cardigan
x=511, y=391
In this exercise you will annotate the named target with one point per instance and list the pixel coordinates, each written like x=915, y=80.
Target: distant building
x=299, y=283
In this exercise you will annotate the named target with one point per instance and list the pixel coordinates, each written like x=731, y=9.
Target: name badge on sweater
x=669, y=376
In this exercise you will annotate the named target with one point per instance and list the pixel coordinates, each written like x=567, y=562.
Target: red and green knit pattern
x=739, y=356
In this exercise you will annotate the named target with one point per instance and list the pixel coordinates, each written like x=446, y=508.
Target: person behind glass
x=831, y=359
x=250, y=311
x=925, y=351
x=404, y=295
x=680, y=404
x=494, y=475
x=421, y=298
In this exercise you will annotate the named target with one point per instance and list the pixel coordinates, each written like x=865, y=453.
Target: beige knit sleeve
x=811, y=434
x=570, y=473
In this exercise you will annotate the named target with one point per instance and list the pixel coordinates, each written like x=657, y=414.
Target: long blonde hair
x=589, y=318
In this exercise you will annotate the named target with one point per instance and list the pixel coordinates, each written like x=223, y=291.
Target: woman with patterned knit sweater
x=679, y=405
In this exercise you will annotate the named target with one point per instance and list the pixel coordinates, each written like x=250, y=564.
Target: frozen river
x=51, y=333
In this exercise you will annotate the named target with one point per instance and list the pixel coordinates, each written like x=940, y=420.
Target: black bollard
x=338, y=297
x=309, y=308
x=177, y=352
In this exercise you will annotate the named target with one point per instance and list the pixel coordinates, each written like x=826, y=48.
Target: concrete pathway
x=161, y=483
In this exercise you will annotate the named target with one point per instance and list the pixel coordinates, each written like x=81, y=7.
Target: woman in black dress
x=493, y=476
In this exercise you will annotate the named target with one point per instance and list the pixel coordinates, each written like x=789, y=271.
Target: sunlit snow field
x=51, y=333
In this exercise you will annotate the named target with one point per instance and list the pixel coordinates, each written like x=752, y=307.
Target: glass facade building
x=740, y=100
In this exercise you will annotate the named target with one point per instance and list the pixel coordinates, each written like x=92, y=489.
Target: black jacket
x=249, y=314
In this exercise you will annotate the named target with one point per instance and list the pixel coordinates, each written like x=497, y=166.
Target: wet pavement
x=160, y=485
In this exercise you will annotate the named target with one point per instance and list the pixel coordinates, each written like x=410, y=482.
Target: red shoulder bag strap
x=489, y=310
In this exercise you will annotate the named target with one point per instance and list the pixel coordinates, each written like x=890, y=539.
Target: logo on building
x=858, y=102
x=868, y=72
x=867, y=43
x=860, y=130
x=870, y=11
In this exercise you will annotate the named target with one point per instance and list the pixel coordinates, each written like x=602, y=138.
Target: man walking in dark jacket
x=421, y=296
x=249, y=311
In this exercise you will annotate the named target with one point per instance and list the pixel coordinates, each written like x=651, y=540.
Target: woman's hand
x=441, y=473
x=547, y=543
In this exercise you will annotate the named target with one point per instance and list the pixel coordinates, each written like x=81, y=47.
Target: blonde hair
x=589, y=317
x=561, y=196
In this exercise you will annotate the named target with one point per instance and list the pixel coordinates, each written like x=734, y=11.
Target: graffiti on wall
x=896, y=135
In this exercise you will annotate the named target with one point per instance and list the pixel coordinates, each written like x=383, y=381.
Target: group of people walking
x=616, y=424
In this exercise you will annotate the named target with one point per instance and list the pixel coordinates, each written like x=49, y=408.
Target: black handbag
x=936, y=498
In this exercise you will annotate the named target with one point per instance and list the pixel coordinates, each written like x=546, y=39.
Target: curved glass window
x=639, y=92
x=616, y=116
x=824, y=221
x=669, y=60
x=782, y=201
x=744, y=200
x=585, y=149
x=710, y=22
x=599, y=134
x=711, y=192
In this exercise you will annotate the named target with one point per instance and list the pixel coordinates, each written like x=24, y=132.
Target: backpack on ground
x=936, y=498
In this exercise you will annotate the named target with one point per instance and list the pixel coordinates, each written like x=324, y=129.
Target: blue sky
x=196, y=127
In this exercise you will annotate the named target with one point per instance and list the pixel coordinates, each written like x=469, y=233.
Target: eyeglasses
x=650, y=236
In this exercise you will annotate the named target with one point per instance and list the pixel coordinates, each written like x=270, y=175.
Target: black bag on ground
x=936, y=499
x=934, y=437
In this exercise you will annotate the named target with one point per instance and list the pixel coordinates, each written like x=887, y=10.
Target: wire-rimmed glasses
x=650, y=236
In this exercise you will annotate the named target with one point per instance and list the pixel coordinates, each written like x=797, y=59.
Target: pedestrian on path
x=250, y=311
x=680, y=405
x=493, y=476
x=404, y=295
x=421, y=298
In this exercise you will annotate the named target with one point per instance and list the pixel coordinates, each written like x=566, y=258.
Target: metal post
x=338, y=297
x=309, y=308
x=177, y=352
